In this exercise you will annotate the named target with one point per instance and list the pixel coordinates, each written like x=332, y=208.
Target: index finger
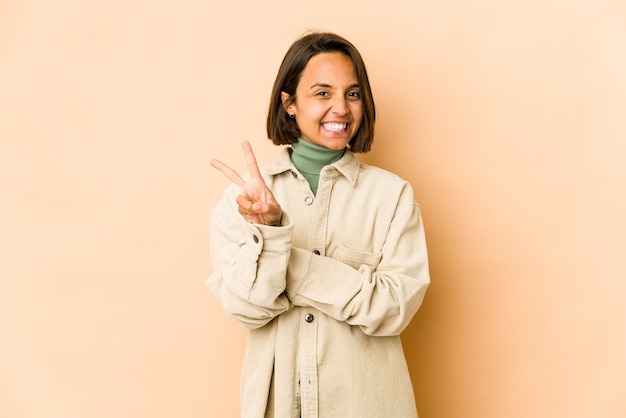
x=228, y=172
x=253, y=167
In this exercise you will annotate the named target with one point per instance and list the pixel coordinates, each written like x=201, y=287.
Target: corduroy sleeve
x=250, y=263
x=380, y=298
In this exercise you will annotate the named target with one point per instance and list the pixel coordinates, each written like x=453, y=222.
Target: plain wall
x=507, y=118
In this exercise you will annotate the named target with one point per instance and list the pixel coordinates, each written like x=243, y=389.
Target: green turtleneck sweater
x=310, y=158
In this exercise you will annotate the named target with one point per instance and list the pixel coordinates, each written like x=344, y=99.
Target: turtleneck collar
x=310, y=158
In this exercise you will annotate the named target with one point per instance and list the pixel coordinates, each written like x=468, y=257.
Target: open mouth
x=335, y=127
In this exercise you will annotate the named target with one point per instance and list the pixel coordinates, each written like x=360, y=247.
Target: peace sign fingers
x=256, y=201
x=253, y=167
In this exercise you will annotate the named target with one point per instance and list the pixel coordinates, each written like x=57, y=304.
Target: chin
x=336, y=143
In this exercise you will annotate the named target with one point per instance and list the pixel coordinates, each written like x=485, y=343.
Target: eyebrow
x=324, y=85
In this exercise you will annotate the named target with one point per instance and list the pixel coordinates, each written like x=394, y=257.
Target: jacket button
x=255, y=239
x=308, y=200
x=316, y=252
x=309, y=317
x=294, y=174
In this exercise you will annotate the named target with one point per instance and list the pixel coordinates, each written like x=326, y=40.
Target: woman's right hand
x=256, y=201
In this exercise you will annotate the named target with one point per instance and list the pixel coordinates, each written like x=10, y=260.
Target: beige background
x=507, y=118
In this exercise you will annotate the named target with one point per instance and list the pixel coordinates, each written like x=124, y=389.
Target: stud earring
x=292, y=115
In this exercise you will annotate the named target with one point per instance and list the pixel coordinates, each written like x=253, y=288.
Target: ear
x=286, y=99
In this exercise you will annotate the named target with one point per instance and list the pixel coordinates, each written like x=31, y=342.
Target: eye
x=322, y=93
x=354, y=95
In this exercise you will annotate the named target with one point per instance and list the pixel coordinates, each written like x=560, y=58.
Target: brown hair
x=281, y=129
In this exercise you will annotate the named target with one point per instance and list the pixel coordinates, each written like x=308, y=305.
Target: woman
x=321, y=257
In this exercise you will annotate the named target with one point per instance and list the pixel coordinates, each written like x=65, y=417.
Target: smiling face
x=327, y=105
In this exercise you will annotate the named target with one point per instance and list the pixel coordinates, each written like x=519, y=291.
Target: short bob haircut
x=282, y=129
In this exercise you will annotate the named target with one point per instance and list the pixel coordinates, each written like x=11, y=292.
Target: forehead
x=329, y=68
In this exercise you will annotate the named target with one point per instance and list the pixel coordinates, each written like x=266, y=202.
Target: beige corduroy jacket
x=326, y=294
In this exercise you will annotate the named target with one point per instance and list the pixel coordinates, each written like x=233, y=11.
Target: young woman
x=321, y=257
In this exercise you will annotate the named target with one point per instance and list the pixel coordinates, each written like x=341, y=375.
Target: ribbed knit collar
x=310, y=158
x=349, y=166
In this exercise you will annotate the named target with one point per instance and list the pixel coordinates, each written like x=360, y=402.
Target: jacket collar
x=348, y=165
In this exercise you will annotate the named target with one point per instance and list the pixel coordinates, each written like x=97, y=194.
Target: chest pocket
x=356, y=258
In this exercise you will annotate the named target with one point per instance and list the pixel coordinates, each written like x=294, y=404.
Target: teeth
x=335, y=127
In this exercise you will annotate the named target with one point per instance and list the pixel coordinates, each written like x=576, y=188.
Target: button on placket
x=308, y=363
x=308, y=200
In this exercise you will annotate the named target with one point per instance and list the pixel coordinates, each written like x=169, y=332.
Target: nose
x=340, y=106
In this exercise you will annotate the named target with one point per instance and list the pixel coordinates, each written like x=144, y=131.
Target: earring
x=292, y=115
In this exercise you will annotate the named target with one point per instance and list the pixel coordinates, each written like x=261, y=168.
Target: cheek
x=316, y=110
x=357, y=113
x=356, y=107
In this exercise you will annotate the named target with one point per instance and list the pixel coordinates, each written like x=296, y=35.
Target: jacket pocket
x=356, y=258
